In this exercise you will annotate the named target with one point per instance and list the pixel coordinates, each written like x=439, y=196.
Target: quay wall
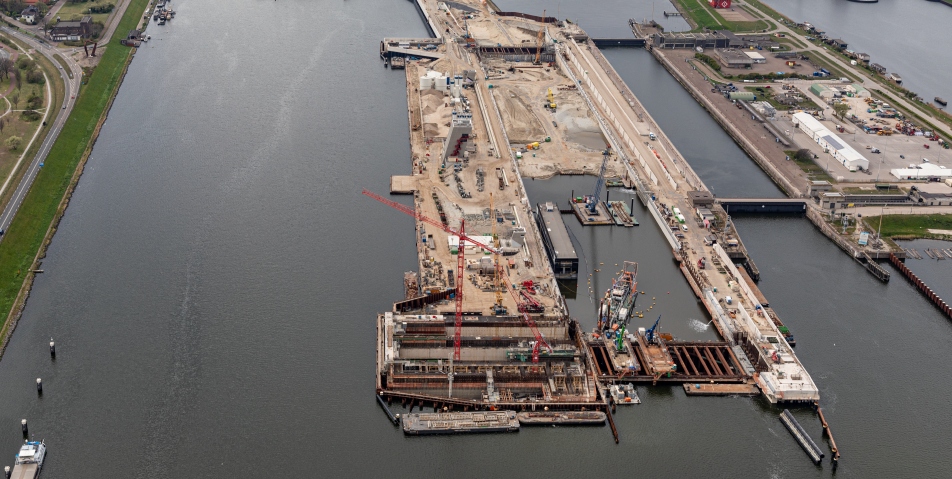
x=921, y=286
x=644, y=192
x=430, y=25
x=785, y=184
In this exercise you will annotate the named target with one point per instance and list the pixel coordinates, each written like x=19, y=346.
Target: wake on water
x=698, y=325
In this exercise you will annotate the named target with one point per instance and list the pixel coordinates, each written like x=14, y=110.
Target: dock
x=600, y=216
x=402, y=185
x=810, y=447
x=460, y=422
x=621, y=213
x=702, y=389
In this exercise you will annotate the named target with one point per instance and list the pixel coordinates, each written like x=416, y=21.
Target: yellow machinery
x=551, y=100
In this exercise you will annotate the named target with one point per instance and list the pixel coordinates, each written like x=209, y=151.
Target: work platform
x=402, y=185
x=601, y=216
x=707, y=389
x=692, y=361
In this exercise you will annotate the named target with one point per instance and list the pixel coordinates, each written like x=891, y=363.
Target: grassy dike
x=913, y=226
x=35, y=223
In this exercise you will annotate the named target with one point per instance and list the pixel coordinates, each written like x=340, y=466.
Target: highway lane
x=72, y=89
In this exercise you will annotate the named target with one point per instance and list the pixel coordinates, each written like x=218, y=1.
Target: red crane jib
x=540, y=340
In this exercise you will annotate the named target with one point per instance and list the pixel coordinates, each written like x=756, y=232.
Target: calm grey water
x=213, y=287
x=911, y=37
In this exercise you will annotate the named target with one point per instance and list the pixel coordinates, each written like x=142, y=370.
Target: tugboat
x=29, y=460
x=941, y=101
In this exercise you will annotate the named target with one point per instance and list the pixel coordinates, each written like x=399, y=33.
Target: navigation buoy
x=39, y=385
x=52, y=347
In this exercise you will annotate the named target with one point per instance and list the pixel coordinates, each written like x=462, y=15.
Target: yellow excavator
x=551, y=100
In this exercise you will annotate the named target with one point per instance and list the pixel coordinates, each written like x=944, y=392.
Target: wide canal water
x=213, y=286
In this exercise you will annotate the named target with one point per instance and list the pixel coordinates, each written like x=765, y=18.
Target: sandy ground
x=522, y=125
x=436, y=113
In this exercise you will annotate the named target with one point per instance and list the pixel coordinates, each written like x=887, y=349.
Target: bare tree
x=3, y=123
x=6, y=65
x=15, y=98
x=16, y=75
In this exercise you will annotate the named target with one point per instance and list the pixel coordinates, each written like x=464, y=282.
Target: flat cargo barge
x=571, y=418
x=460, y=422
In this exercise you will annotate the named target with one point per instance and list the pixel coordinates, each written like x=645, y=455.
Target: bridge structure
x=764, y=205
x=618, y=42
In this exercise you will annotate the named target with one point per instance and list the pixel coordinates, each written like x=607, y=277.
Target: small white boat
x=624, y=394
x=29, y=460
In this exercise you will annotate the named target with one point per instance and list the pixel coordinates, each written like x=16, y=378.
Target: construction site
x=483, y=325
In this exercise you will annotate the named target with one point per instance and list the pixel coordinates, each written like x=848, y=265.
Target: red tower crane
x=539, y=338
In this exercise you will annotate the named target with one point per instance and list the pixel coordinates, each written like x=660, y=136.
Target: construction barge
x=562, y=418
x=460, y=422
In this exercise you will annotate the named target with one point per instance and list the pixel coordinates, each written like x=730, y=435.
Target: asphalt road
x=72, y=89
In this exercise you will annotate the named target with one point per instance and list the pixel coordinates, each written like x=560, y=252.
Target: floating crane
x=591, y=201
x=539, y=41
x=539, y=338
x=651, y=335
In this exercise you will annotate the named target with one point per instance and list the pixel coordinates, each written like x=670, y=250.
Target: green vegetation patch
x=39, y=208
x=706, y=17
x=710, y=61
x=804, y=159
x=907, y=226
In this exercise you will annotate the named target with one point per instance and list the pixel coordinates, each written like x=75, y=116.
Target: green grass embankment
x=704, y=16
x=913, y=226
x=42, y=204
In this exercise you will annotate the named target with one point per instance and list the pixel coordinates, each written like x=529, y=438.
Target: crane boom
x=539, y=41
x=461, y=248
x=593, y=200
x=540, y=339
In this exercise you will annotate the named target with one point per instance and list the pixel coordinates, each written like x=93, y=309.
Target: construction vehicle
x=551, y=100
x=539, y=342
x=539, y=41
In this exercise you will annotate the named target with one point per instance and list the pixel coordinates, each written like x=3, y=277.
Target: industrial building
x=822, y=90
x=830, y=143
x=755, y=57
x=857, y=90
x=690, y=40
x=457, y=144
x=922, y=171
x=733, y=58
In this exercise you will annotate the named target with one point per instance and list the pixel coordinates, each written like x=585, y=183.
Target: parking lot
x=896, y=151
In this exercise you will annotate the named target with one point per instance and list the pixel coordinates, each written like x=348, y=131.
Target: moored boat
x=29, y=460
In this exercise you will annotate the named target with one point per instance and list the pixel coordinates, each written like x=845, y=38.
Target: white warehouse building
x=755, y=57
x=828, y=140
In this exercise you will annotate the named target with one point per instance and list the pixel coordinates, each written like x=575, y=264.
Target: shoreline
x=74, y=122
